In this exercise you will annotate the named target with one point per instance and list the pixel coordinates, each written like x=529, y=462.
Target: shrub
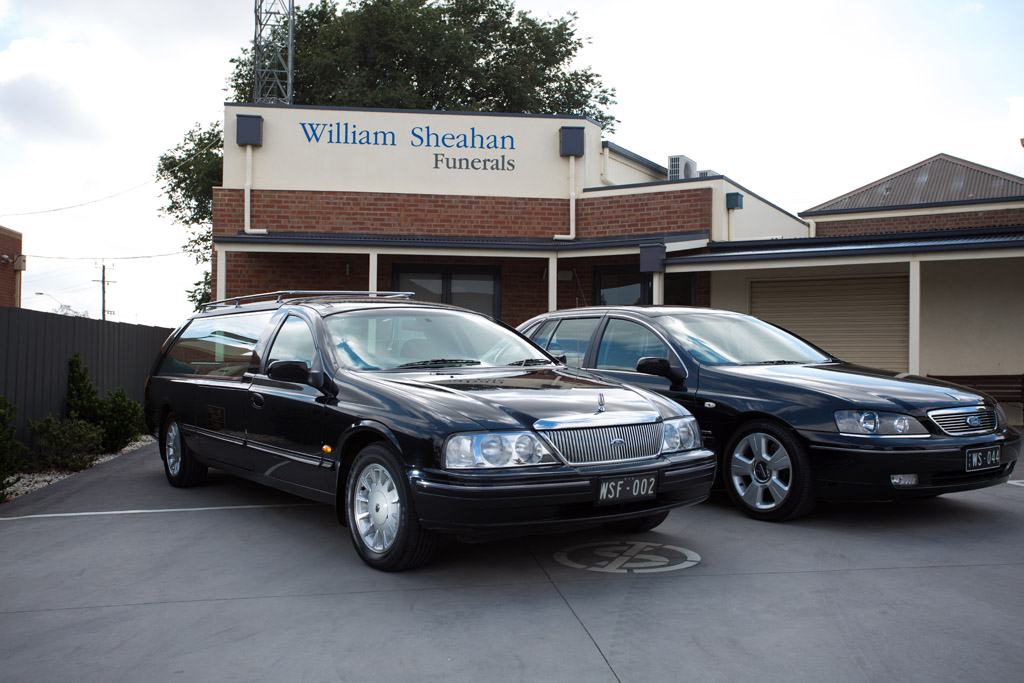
x=122, y=419
x=12, y=451
x=69, y=444
x=81, y=398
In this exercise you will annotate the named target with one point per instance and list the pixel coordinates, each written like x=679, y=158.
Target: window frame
x=446, y=271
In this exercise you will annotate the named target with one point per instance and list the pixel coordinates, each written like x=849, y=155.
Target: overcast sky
x=798, y=101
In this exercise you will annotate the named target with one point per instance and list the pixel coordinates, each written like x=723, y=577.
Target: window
x=293, y=342
x=571, y=338
x=624, y=343
x=220, y=346
x=622, y=286
x=473, y=287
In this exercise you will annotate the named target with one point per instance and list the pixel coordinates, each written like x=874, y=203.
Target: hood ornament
x=600, y=403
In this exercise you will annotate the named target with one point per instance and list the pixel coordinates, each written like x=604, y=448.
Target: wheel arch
x=355, y=440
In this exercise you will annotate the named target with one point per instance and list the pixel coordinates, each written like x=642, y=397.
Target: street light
x=59, y=303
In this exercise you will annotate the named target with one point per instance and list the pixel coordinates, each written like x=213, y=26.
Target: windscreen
x=389, y=339
x=716, y=339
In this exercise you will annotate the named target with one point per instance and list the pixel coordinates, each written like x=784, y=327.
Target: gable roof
x=941, y=180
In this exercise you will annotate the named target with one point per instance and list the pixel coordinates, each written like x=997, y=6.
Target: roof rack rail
x=279, y=297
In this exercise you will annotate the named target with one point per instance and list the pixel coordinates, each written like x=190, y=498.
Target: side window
x=624, y=343
x=571, y=338
x=541, y=334
x=293, y=342
x=220, y=347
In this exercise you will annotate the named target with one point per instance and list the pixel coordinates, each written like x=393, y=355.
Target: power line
x=116, y=194
x=106, y=258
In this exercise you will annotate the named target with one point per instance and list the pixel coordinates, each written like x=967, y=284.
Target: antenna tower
x=273, y=50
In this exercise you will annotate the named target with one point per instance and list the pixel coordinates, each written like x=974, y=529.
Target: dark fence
x=34, y=352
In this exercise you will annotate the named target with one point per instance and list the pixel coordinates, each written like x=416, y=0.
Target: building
x=12, y=263
x=514, y=215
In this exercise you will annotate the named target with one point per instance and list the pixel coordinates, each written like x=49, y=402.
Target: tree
x=452, y=55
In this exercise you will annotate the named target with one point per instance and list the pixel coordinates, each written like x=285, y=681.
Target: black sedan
x=790, y=423
x=415, y=419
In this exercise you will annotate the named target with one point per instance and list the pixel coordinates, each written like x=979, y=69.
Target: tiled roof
x=941, y=180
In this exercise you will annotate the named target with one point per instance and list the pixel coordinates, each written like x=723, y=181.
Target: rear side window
x=218, y=347
x=571, y=338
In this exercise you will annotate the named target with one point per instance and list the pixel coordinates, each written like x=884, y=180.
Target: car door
x=221, y=350
x=284, y=418
x=621, y=343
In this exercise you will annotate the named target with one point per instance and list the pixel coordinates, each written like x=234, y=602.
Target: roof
x=941, y=180
x=457, y=243
x=818, y=247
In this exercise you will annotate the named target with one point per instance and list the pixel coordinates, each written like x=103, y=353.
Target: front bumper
x=552, y=499
x=848, y=468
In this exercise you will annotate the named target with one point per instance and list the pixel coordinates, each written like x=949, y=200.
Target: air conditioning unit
x=707, y=173
x=681, y=167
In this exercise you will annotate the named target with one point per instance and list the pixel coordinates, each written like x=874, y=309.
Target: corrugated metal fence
x=34, y=352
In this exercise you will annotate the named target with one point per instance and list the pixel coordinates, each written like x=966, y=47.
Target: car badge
x=974, y=421
x=600, y=403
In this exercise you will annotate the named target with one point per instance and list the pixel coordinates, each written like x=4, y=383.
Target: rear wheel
x=381, y=517
x=767, y=472
x=180, y=465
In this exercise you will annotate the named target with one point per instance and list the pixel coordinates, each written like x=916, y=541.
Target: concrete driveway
x=112, y=575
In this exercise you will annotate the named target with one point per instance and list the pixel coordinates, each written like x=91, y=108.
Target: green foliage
x=12, y=451
x=122, y=419
x=452, y=55
x=70, y=444
x=81, y=398
x=202, y=293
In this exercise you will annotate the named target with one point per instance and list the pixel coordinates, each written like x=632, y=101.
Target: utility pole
x=103, y=289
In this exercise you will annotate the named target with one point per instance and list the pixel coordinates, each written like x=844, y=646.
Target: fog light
x=901, y=480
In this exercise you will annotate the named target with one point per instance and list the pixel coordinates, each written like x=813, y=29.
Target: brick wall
x=425, y=215
x=946, y=221
x=10, y=244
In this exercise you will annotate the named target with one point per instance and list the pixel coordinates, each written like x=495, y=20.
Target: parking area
x=112, y=575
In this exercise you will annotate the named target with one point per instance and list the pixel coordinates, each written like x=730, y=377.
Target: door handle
x=257, y=400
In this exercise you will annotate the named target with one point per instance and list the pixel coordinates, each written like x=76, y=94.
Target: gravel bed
x=37, y=480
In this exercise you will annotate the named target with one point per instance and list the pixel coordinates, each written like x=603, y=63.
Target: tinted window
x=293, y=342
x=624, y=343
x=571, y=338
x=220, y=346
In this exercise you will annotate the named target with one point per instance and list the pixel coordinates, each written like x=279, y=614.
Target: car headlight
x=876, y=423
x=681, y=434
x=1001, y=419
x=496, y=449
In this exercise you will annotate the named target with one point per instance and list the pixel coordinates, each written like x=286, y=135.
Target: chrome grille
x=596, y=445
x=960, y=421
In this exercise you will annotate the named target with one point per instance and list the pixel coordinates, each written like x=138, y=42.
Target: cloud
x=34, y=107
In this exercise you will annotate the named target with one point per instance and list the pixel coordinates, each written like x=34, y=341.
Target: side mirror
x=660, y=367
x=289, y=371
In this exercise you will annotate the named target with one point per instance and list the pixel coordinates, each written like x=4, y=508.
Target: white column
x=658, y=288
x=914, y=352
x=553, y=282
x=373, y=272
x=220, y=276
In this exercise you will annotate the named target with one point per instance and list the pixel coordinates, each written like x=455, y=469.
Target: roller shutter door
x=860, y=320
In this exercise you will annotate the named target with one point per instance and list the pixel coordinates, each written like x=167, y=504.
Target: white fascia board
x=418, y=251
x=979, y=255
x=686, y=245
x=903, y=213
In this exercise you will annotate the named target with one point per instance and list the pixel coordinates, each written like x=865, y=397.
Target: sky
x=797, y=101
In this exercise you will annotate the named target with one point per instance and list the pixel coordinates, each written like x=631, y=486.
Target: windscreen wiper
x=530, y=361
x=439, y=362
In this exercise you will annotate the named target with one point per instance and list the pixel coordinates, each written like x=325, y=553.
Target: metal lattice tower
x=273, y=50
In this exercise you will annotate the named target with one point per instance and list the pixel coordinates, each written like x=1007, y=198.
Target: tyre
x=767, y=472
x=382, y=520
x=638, y=524
x=180, y=466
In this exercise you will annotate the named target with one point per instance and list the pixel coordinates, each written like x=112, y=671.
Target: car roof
x=323, y=302
x=646, y=311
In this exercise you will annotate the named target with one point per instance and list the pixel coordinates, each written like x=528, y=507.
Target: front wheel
x=180, y=466
x=767, y=472
x=381, y=518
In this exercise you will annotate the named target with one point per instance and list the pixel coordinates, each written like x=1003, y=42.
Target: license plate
x=625, y=489
x=982, y=458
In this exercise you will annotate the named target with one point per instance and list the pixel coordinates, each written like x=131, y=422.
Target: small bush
x=12, y=451
x=122, y=420
x=81, y=398
x=70, y=444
